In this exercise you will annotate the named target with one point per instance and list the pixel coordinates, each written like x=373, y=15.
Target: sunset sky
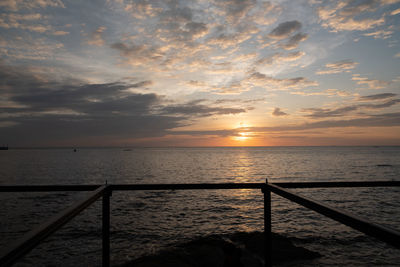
x=199, y=73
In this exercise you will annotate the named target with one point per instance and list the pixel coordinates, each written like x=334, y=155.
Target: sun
x=242, y=136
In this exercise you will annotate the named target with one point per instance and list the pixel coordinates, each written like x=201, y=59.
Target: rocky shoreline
x=239, y=249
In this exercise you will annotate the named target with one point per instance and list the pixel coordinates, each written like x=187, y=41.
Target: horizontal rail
x=47, y=188
x=34, y=237
x=382, y=233
x=122, y=187
x=339, y=184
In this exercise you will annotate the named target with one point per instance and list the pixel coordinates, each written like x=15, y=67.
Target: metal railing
x=31, y=239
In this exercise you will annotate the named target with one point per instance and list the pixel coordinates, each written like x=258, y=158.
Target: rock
x=232, y=250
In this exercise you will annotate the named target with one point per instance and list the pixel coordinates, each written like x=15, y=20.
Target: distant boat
x=127, y=149
x=3, y=147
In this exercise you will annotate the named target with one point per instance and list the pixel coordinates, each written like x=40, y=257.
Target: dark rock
x=232, y=250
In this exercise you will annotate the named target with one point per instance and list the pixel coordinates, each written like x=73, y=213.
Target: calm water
x=143, y=222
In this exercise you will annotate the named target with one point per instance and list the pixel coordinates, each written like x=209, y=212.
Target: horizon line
x=133, y=147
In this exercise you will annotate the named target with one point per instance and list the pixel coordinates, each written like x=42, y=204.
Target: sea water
x=147, y=221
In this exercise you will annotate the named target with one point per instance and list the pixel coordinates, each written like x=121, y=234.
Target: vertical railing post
x=106, y=227
x=267, y=225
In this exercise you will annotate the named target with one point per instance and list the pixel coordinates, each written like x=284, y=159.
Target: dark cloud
x=247, y=101
x=260, y=79
x=279, y=58
x=236, y=9
x=294, y=41
x=136, y=54
x=378, y=96
x=325, y=113
x=64, y=129
x=382, y=105
x=343, y=111
x=278, y=112
x=176, y=13
x=197, y=109
x=196, y=28
x=84, y=99
x=62, y=113
x=283, y=30
x=40, y=112
x=141, y=84
x=180, y=24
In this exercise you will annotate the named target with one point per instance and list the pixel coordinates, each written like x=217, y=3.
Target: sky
x=199, y=73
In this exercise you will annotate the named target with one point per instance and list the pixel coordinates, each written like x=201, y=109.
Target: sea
x=144, y=222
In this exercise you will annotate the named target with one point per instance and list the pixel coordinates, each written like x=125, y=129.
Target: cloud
x=24, y=22
x=221, y=68
x=242, y=101
x=268, y=82
x=266, y=13
x=235, y=10
x=52, y=111
x=397, y=55
x=278, y=112
x=338, y=67
x=142, y=9
x=382, y=105
x=395, y=12
x=244, y=57
x=196, y=29
x=284, y=29
x=96, y=38
x=224, y=38
x=60, y=33
x=194, y=83
x=141, y=84
x=29, y=48
x=279, y=58
x=193, y=108
x=327, y=92
x=316, y=113
x=370, y=83
x=138, y=54
x=350, y=15
x=294, y=41
x=232, y=88
x=381, y=34
x=378, y=96
x=7, y=123
x=326, y=113
x=254, y=79
x=15, y=5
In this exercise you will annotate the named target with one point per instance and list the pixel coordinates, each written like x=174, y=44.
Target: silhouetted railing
x=31, y=239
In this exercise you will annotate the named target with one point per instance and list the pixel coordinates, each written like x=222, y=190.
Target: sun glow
x=242, y=136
